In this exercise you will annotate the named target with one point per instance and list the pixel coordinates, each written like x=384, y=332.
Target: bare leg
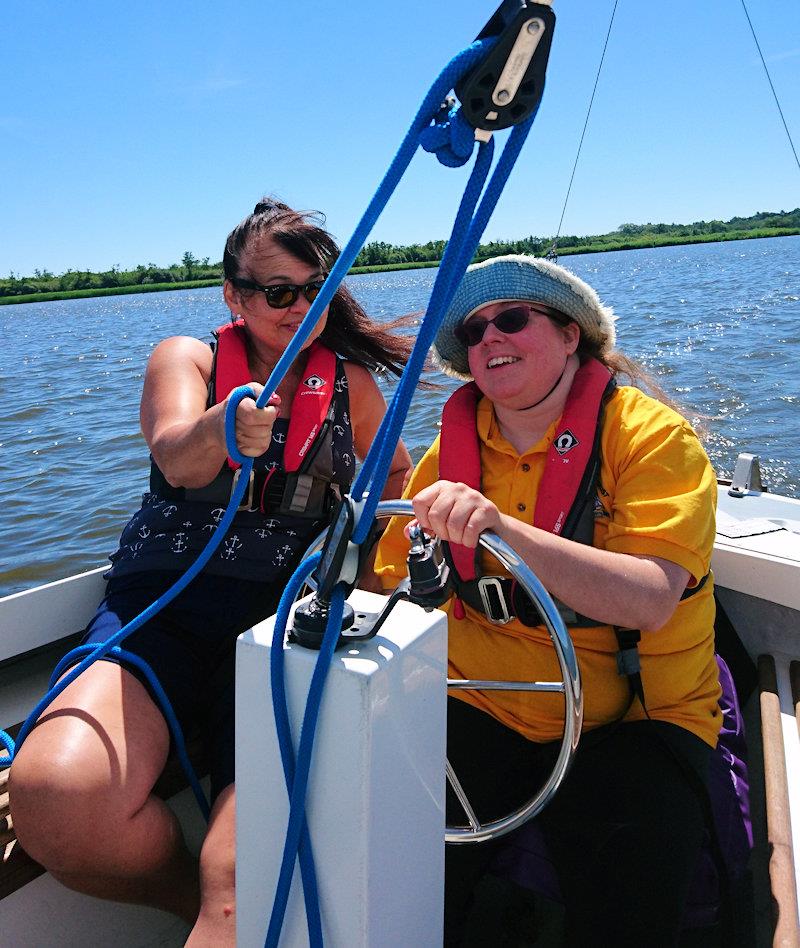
x=80, y=795
x=216, y=924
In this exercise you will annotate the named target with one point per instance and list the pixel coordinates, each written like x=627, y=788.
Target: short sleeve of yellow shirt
x=656, y=497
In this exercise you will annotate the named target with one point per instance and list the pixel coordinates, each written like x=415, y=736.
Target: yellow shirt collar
x=489, y=432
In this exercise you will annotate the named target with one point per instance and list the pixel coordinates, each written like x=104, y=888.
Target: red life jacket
x=565, y=500
x=564, y=505
x=309, y=485
x=311, y=402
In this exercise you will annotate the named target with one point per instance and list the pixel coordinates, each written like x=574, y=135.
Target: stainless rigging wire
x=551, y=253
x=769, y=79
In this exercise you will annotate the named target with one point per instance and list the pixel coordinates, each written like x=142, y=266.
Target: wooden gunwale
x=779, y=827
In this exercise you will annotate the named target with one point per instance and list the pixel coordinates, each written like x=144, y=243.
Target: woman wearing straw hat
x=609, y=497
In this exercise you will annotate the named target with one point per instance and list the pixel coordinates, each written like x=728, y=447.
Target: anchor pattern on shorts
x=230, y=547
x=180, y=543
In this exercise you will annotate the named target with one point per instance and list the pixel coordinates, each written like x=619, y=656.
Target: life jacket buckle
x=494, y=601
x=247, y=501
x=628, y=654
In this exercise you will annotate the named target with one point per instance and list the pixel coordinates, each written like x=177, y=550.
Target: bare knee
x=218, y=880
x=62, y=818
x=86, y=770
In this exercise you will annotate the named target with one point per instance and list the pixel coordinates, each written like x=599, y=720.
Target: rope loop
x=450, y=137
x=8, y=742
x=237, y=395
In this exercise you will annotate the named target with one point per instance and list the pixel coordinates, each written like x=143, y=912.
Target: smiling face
x=271, y=330
x=518, y=369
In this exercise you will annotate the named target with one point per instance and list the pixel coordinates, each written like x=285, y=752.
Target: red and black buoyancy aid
x=307, y=486
x=565, y=503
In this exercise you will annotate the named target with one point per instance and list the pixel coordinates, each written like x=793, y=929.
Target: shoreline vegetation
x=379, y=256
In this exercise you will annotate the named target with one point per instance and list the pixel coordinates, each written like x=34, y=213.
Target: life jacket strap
x=501, y=599
x=628, y=663
x=273, y=493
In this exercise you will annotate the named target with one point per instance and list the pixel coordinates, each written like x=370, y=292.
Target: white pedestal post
x=375, y=804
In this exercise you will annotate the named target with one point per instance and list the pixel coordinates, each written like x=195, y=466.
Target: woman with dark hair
x=81, y=786
x=608, y=496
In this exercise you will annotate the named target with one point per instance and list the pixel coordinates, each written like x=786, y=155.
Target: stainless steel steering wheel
x=569, y=686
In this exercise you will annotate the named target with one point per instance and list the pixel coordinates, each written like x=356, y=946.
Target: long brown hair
x=617, y=363
x=349, y=330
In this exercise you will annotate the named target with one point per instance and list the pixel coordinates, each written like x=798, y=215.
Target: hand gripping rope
x=499, y=79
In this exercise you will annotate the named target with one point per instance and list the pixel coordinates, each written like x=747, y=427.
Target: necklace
x=550, y=392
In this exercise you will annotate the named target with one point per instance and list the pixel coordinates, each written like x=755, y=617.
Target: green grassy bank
x=601, y=245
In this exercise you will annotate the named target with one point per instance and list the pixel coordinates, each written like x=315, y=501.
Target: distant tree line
x=381, y=254
x=42, y=281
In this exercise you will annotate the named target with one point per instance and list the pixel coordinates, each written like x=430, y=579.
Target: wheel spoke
x=473, y=684
x=569, y=687
x=455, y=783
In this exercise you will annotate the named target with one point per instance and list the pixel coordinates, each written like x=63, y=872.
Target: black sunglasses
x=511, y=320
x=282, y=295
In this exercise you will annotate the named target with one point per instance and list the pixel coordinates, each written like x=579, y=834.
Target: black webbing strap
x=628, y=663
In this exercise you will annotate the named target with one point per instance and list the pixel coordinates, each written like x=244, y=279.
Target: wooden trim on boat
x=794, y=679
x=779, y=827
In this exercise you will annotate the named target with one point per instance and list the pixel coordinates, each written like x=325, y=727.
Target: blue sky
x=132, y=133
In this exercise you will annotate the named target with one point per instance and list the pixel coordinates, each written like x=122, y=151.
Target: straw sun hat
x=519, y=277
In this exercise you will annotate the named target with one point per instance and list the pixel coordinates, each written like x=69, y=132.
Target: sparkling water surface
x=718, y=325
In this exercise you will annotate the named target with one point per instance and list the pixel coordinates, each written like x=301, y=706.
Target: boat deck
x=757, y=574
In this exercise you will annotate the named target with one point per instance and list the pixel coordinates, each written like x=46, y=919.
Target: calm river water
x=718, y=324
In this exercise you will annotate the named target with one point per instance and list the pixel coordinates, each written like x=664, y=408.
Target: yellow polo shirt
x=657, y=497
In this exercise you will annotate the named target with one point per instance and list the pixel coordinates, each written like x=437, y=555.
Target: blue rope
x=448, y=139
x=297, y=818
x=467, y=230
x=307, y=869
x=166, y=707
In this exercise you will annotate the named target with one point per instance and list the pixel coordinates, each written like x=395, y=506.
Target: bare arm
x=186, y=439
x=639, y=592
